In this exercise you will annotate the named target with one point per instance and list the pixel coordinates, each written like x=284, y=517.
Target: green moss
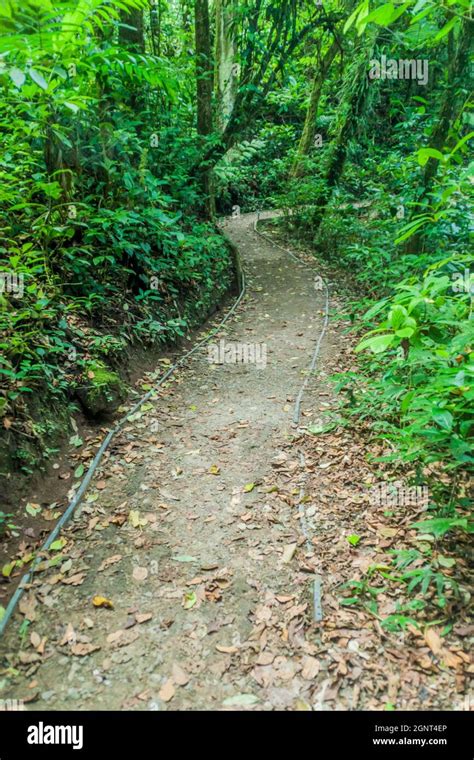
x=102, y=392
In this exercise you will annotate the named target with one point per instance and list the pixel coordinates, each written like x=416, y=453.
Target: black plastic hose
x=98, y=457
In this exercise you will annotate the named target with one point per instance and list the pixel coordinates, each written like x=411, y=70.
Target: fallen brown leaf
x=109, y=561
x=81, y=650
x=433, y=640
x=180, y=677
x=167, y=691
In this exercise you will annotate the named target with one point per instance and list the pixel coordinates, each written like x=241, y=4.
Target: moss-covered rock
x=102, y=390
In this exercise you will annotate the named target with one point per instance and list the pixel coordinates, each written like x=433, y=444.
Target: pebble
x=47, y=695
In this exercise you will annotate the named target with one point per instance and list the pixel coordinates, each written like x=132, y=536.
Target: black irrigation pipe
x=27, y=577
x=105, y=444
x=317, y=609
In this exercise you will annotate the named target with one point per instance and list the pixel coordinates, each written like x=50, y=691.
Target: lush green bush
x=419, y=385
x=100, y=211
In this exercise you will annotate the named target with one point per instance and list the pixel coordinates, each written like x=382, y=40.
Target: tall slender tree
x=131, y=30
x=204, y=81
x=458, y=52
x=353, y=104
x=309, y=128
x=227, y=68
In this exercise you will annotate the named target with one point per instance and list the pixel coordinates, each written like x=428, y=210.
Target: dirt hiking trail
x=194, y=530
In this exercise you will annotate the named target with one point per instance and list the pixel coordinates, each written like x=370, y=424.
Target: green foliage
x=422, y=387
x=104, y=241
x=5, y=522
x=100, y=215
x=396, y=220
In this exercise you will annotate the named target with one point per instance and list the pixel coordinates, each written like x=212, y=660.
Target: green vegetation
x=127, y=127
x=387, y=194
x=101, y=221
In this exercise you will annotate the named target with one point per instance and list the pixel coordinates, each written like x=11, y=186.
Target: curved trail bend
x=212, y=597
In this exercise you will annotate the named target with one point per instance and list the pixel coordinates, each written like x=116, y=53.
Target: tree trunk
x=259, y=78
x=458, y=63
x=457, y=66
x=204, y=92
x=309, y=129
x=155, y=27
x=227, y=71
x=355, y=94
x=133, y=37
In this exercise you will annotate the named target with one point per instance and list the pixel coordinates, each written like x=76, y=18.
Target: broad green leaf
x=452, y=23
x=377, y=344
x=405, y=332
x=411, y=229
x=444, y=419
x=6, y=8
x=400, y=11
x=439, y=526
x=38, y=79
x=17, y=76
x=424, y=154
x=352, y=18
x=462, y=142
x=361, y=18
x=398, y=622
x=397, y=316
x=375, y=309
x=420, y=5
x=353, y=539
x=381, y=15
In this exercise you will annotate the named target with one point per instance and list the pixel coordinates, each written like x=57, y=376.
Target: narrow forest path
x=191, y=531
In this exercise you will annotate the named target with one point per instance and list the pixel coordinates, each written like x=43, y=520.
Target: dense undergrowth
x=103, y=245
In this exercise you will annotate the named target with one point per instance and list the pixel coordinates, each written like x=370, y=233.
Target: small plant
x=353, y=539
x=362, y=594
x=395, y=623
x=5, y=522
